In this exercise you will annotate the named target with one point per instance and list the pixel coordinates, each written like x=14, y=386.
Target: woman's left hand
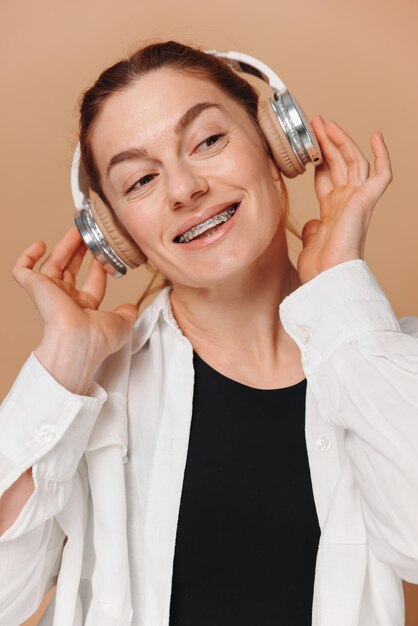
x=347, y=195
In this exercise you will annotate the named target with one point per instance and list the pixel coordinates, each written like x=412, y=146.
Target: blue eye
x=142, y=182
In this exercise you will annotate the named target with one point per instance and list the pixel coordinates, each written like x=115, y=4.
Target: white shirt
x=108, y=468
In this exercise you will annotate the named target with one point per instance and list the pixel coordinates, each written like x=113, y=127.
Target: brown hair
x=172, y=55
x=168, y=55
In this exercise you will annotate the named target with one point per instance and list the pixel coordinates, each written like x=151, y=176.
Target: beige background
x=354, y=62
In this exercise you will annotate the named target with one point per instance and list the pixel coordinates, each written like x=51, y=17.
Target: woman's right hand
x=77, y=336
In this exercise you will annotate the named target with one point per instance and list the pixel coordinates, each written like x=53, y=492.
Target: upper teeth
x=210, y=223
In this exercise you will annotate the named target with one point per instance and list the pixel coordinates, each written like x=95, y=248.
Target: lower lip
x=209, y=240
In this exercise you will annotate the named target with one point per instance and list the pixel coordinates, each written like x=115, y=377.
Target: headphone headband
x=79, y=184
x=289, y=134
x=268, y=75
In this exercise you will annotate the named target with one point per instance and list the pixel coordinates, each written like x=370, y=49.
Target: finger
x=124, y=317
x=358, y=167
x=128, y=311
x=382, y=177
x=76, y=260
x=383, y=166
x=309, y=231
x=73, y=266
x=63, y=252
x=27, y=261
x=331, y=154
x=322, y=180
x=96, y=282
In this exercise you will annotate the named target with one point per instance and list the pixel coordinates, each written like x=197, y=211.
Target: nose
x=184, y=185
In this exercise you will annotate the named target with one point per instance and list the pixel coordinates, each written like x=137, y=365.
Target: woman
x=171, y=451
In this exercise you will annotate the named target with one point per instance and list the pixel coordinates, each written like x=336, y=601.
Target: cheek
x=243, y=167
x=144, y=227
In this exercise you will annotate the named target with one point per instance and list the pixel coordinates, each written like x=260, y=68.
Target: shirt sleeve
x=46, y=427
x=362, y=366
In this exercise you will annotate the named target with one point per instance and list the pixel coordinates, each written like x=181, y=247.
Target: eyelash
x=218, y=137
x=138, y=181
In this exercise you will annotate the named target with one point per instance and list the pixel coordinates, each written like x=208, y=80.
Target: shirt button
x=45, y=433
x=304, y=335
x=324, y=444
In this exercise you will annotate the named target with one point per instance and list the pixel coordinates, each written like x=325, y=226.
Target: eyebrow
x=186, y=119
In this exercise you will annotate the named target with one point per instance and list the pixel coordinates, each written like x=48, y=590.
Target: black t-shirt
x=248, y=532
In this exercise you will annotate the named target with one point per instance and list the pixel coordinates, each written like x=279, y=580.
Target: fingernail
x=379, y=132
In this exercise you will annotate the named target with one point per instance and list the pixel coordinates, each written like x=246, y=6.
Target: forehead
x=149, y=109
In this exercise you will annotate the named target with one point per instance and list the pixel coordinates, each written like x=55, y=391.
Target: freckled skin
x=187, y=177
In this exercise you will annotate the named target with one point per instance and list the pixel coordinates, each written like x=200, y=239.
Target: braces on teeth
x=212, y=221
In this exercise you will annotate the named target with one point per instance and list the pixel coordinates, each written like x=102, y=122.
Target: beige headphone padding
x=124, y=246
x=281, y=149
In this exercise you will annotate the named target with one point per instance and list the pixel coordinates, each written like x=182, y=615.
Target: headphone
x=288, y=132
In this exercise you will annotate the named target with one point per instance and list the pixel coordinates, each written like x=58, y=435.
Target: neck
x=239, y=319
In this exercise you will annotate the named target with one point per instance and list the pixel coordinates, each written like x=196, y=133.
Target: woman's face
x=173, y=151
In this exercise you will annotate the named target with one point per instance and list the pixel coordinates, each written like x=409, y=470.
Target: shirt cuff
x=36, y=414
x=336, y=306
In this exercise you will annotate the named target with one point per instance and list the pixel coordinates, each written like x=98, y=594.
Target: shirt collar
x=160, y=307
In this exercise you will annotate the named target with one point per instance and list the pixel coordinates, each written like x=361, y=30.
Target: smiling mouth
x=207, y=228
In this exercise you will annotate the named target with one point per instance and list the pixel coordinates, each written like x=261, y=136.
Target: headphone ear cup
x=282, y=152
x=118, y=239
x=281, y=149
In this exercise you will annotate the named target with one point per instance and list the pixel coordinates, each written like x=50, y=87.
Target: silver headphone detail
x=87, y=226
x=295, y=128
x=289, y=113
x=98, y=244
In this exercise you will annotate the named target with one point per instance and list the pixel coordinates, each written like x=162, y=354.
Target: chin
x=219, y=264
x=213, y=273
